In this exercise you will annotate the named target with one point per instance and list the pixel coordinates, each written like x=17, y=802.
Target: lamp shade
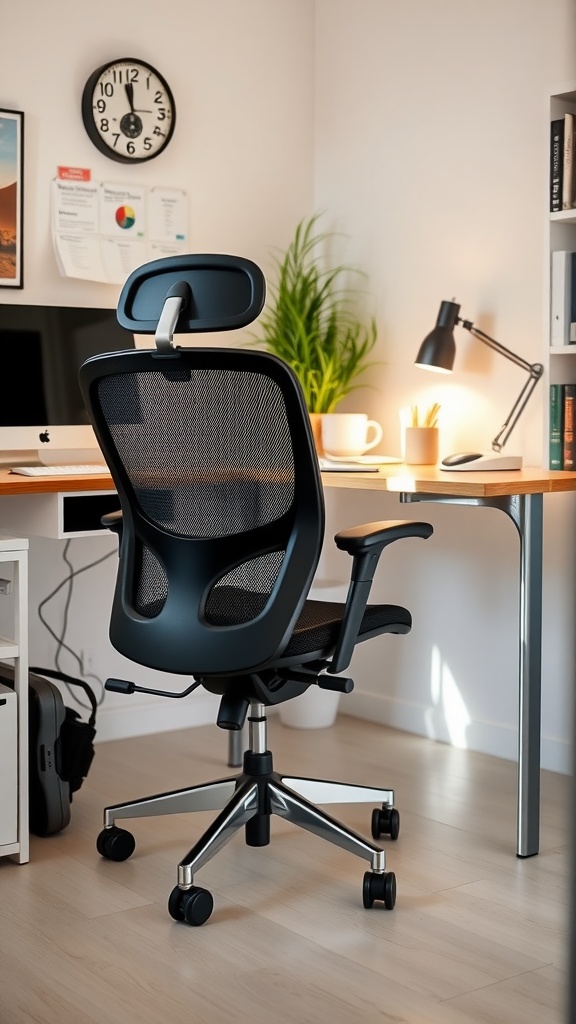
x=438, y=349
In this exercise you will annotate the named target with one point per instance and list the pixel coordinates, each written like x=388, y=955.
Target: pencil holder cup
x=421, y=446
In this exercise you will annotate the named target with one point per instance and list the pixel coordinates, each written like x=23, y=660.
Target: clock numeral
x=106, y=89
x=116, y=137
x=104, y=124
x=158, y=96
x=147, y=143
x=157, y=131
x=126, y=75
x=100, y=106
x=161, y=114
x=130, y=148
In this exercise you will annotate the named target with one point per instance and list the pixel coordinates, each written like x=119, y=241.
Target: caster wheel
x=193, y=905
x=385, y=822
x=115, y=843
x=381, y=887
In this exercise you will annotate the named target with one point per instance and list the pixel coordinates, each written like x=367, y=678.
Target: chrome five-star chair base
x=249, y=799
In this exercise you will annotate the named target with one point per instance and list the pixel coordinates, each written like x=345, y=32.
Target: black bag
x=61, y=748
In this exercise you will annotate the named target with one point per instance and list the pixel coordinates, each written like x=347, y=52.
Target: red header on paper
x=74, y=173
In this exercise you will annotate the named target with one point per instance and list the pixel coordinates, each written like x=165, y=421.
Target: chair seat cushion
x=319, y=624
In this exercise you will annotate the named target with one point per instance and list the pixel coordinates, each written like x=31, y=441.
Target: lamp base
x=476, y=462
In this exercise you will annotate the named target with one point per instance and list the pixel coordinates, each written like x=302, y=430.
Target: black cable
x=70, y=582
x=61, y=645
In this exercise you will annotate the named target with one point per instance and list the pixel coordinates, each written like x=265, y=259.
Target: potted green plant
x=310, y=321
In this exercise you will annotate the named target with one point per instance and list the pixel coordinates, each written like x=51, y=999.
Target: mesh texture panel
x=152, y=585
x=198, y=448
x=319, y=624
x=203, y=462
x=241, y=595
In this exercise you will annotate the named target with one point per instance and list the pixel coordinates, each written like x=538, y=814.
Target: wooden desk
x=393, y=478
x=12, y=483
x=520, y=495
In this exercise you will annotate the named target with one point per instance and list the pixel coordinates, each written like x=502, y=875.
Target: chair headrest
x=215, y=293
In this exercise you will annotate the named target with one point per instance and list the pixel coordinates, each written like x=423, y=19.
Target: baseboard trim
x=159, y=714
x=483, y=737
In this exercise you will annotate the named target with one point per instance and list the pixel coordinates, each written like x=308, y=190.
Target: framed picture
x=11, y=201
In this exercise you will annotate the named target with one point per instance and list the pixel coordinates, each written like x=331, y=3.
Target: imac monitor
x=42, y=414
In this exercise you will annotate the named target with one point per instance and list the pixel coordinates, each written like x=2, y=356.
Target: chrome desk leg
x=526, y=512
x=236, y=747
x=529, y=727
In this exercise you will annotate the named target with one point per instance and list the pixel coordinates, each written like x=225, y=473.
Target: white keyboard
x=58, y=470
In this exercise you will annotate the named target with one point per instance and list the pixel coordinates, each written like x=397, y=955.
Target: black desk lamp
x=437, y=352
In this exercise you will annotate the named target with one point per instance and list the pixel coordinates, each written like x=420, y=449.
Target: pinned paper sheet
x=103, y=231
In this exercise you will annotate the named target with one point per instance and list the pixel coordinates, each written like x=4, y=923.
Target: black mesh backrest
x=212, y=454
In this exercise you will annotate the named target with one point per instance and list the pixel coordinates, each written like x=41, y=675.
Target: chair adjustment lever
x=124, y=686
x=338, y=683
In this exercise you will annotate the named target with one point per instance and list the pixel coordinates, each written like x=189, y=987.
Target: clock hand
x=130, y=94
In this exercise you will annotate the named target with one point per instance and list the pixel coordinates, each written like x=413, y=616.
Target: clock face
x=128, y=110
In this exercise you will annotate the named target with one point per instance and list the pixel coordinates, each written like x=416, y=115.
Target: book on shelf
x=568, y=163
x=556, y=163
x=563, y=298
x=568, y=445
x=562, y=429
x=556, y=429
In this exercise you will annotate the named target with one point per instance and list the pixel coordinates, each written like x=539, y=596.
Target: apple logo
x=44, y=436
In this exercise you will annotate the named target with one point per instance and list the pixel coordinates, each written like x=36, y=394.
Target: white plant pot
x=316, y=708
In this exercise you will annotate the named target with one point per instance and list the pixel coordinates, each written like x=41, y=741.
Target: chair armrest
x=113, y=521
x=366, y=543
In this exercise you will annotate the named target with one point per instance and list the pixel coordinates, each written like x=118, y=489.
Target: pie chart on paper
x=125, y=217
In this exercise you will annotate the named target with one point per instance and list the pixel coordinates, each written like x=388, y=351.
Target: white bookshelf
x=559, y=360
x=14, y=836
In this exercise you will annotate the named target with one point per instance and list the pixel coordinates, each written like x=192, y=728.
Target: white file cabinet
x=14, y=703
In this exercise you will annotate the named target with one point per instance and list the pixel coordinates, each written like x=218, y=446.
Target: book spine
x=568, y=163
x=556, y=431
x=560, y=297
x=568, y=448
x=556, y=164
x=572, y=327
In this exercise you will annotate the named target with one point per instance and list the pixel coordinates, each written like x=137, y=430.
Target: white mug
x=346, y=434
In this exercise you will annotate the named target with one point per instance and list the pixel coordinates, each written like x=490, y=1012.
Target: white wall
x=421, y=129
x=432, y=156
x=242, y=77
x=244, y=124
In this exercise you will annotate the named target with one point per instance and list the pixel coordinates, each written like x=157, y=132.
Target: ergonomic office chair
x=220, y=532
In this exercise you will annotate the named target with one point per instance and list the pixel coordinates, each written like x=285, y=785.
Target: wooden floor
x=476, y=935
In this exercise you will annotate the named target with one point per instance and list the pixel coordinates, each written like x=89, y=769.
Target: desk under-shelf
x=519, y=494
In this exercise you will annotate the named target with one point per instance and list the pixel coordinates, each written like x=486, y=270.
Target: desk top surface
x=393, y=478
x=431, y=480
x=14, y=483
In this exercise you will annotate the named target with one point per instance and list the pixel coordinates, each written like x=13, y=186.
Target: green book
x=556, y=433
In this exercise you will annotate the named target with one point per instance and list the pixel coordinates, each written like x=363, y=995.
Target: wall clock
x=128, y=110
